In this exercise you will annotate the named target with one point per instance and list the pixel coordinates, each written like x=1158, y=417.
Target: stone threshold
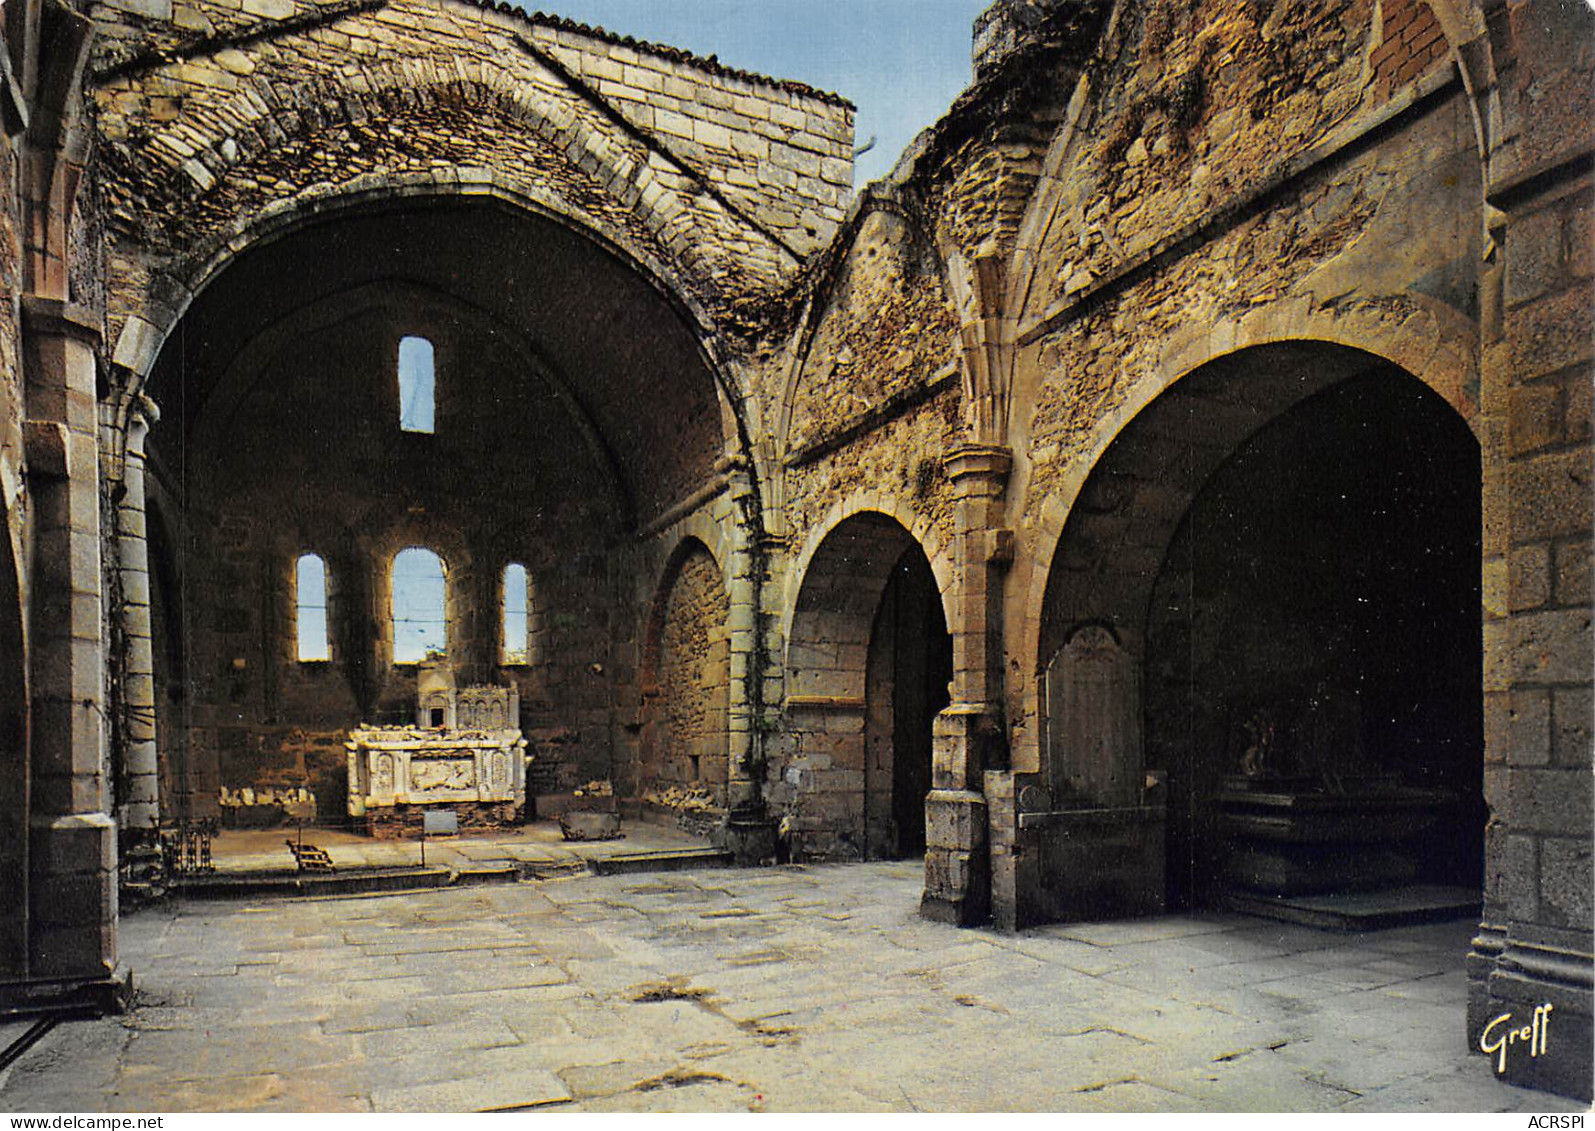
x=1363, y=911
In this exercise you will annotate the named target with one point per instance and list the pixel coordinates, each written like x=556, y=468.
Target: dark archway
x=1286, y=546
x=868, y=664
x=909, y=668
x=1314, y=636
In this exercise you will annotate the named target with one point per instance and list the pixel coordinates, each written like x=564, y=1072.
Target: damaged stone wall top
x=735, y=177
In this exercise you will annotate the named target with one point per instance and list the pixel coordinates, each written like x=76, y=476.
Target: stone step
x=1363, y=911
x=254, y=885
x=671, y=860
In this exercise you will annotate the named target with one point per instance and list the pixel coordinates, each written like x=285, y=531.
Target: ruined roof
x=711, y=64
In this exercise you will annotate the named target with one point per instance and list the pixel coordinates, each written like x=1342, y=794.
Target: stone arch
x=683, y=761
x=1270, y=637
x=919, y=527
x=163, y=298
x=868, y=666
x=1441, y=356
x=248, y=127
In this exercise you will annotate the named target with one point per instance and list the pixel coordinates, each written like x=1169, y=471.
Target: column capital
x=978, y=469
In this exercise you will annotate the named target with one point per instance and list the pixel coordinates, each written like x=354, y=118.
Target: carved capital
x=978, y=470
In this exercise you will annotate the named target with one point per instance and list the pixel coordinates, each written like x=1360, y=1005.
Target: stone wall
x=1314, y=266
x=361, y=491
x=208, y=113
x=1147, y=232
x=1535, y=943
x=684, y=747
x=14, y=882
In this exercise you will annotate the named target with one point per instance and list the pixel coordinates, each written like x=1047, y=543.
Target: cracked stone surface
x=790, y=989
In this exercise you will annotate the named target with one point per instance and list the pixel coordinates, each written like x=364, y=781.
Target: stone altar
x=472, y=763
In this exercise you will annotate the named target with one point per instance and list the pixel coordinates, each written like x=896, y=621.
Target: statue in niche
x=383, y=785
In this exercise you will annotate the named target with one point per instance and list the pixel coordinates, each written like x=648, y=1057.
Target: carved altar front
x=478, y=771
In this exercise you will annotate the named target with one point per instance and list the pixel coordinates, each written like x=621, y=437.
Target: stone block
x=1530, y=727
x=1573, y=565
x=1536, y=417
x=946, y=873
x=955, y=820
x=672, y=123
x=79, y=843
x=1565, y=881
x=1534, y=255
x=1571, y=731
x=711, y=135
x=1553, y=801
x=1551, y=647
x=1552, y=333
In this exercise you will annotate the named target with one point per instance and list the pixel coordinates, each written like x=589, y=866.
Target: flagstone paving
x=788, y=989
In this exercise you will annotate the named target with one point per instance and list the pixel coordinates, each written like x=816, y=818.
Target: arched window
x=310, y=609
x=417, y=385
x=419, y=627
x=517, y=604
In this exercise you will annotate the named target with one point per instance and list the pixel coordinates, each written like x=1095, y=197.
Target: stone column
x=967, y=736
x=72, y=839
x=749, y=832
x=1532, y=964
x=140, y=810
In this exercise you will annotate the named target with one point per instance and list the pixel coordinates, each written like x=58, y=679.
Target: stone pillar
x=749, y=831
x=72, y=839
x=1535, y=947
x=967, y=737
x=140, y=809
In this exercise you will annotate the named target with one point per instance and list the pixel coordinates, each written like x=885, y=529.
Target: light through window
x=417, y=385
x=419, y=591
x=515, y=614
x=310, y=608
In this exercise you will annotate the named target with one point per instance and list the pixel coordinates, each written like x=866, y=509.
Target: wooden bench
x=309, y=858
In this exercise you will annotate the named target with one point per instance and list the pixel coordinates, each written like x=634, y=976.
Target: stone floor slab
x=798, y=988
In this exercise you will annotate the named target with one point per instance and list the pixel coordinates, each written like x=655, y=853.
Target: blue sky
x=901, y=62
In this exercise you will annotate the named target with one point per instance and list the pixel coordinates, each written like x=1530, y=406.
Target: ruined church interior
x=1140, y=545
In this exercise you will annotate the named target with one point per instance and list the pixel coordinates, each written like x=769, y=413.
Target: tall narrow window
x=310, y=608
x=516, y=604
x=417, y=387
x=419, y=628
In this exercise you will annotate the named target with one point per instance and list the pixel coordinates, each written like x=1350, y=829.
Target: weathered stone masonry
x=864, y=522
